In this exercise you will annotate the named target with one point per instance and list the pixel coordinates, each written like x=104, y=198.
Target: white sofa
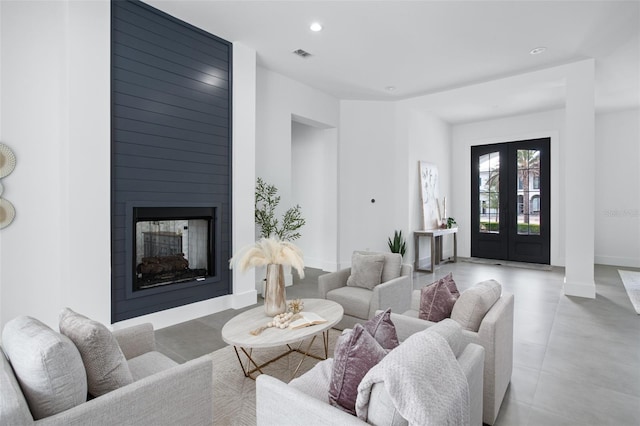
x=305, y=400
x=163, y=393
x=494, y=333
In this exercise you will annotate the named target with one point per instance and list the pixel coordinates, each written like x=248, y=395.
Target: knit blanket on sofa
x=424, y=380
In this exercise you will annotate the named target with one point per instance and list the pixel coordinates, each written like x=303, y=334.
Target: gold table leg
x=258, y=367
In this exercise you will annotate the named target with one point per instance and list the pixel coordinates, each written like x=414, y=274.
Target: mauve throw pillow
x=366, y=270
x=436, y=302
x=451, y=285
x=355, y=353
x=383, y=330
x=106, y=366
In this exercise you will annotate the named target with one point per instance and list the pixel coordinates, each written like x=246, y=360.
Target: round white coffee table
x=237, y=332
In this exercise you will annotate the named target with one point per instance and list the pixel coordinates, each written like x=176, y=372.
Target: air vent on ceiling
x=302, y=53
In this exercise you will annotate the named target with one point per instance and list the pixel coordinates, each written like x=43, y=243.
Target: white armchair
x=492, y=329
x=361, y=304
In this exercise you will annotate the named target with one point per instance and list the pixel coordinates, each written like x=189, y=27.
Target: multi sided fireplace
x=172, y=246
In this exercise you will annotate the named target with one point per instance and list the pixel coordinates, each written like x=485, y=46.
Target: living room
x=56, y=117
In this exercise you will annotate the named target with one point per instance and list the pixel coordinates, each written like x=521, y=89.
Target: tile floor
x=576, y=361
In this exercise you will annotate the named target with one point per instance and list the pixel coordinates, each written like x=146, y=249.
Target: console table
x=435, y=236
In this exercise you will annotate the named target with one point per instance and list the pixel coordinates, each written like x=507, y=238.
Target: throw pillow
x=436, y=302
x=383, y=330
x=474, y=303
x=451, y=284
x=366, y=270
x=47, y=366
x=392, y=265
x=355, y=353
x=103, y=360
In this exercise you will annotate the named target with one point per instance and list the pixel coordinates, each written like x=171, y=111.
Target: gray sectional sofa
x=305, y=400
x=162, y=393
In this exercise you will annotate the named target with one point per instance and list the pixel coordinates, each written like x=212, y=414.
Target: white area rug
x=234, y=395
x=631, y=281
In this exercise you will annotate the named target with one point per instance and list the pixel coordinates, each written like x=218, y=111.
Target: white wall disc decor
x=7, y=160
x=7, y=213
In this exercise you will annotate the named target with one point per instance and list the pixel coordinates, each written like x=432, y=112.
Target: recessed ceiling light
x=315, y=27
x=537, y=50
x=390, y=88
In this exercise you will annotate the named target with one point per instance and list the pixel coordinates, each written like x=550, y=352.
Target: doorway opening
x=510, y=201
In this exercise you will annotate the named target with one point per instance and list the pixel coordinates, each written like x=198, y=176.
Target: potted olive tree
x=285, y=229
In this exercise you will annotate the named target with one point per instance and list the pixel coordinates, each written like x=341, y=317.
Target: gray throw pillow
x=103, y=359
x=392, y=265
x=436, y=301
x=366, y=270
x=383, y=330
x=355, y=353
x=474, y=303
x=47, y=366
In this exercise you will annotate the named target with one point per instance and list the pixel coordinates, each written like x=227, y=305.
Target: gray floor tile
x=575, y=360
x=586, y=404
x=541, y=417
x=190, y=340
x=523, y=384
x=593, y=362
x=513, y=413
x=527, y=354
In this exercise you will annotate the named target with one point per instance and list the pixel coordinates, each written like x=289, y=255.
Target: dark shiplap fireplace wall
x=171, y=142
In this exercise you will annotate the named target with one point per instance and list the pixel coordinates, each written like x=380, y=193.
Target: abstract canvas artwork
x=429, y=194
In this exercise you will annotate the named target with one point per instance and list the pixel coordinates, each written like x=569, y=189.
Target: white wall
x=55, y=114
x=530, y=126
x=56, y=253
x=280, y=99
x=429, y=139
x=372, y=165
x=314, y=171
x=617, y=185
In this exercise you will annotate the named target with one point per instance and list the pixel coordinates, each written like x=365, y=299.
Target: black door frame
x=507, y=244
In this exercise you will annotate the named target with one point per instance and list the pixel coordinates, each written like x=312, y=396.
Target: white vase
x=275, y=300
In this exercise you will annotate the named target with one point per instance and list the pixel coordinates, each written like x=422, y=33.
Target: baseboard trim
x=628, y=262
x=579, y=289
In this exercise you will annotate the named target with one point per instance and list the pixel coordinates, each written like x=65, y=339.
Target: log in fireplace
x=172, y=246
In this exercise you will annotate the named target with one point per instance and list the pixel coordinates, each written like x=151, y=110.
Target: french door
x=510, y=201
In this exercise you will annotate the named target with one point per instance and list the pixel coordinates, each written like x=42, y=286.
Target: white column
x=244, y=167
x=579, y=171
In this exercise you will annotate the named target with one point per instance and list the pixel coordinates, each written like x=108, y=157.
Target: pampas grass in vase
x=272, y=253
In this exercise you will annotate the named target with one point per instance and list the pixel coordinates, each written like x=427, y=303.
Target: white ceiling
x=424, y=47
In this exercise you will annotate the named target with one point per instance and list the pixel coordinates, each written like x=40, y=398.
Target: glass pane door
x=528, y=199
x=489, y=192
x=510, y=201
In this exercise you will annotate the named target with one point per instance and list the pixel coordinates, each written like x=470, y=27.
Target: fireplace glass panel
x=171, y=251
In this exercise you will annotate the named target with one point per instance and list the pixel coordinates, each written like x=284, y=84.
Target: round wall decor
x=7, y=213
x=7, y=160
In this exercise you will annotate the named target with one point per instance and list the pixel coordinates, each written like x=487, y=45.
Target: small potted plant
x=451, y=223
x=398, y=245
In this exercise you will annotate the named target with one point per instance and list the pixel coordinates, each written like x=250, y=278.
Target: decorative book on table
x=306, y=319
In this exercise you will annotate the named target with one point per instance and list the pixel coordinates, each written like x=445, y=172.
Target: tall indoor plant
x=274, y=249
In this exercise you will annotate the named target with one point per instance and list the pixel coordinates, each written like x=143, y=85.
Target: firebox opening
x=172, y=245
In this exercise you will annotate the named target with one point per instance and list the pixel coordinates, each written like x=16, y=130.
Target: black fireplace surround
x=172, y=246
x=171, y=139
